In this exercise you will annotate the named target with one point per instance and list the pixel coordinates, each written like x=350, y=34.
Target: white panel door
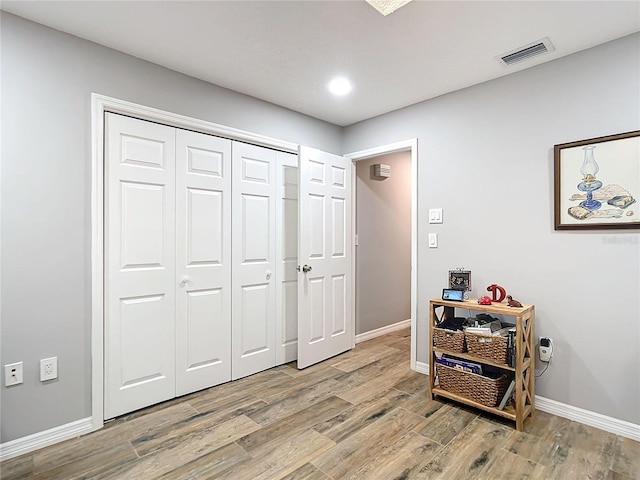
x=139, y=264
x=203, y=261
x=287, y=258
x=325, y=326
x=253, y=259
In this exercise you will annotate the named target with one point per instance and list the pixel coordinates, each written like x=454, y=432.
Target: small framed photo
x=460, y=280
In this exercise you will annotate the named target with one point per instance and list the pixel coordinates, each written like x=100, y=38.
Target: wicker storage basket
x=491, y=347
x=484, y=390
x=452, y=340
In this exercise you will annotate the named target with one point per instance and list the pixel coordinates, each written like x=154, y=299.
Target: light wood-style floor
x=361, y=415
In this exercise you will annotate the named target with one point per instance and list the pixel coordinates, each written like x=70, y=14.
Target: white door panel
x=253, y=259
x=139, y=264
x=325, y=327
x=287, y=258
x=203, y=261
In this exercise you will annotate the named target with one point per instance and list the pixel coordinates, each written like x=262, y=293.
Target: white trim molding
x=361, y=337
x=586, y=417
x=27, y=444
x=422, y=367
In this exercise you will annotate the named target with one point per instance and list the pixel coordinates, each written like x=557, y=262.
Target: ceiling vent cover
x=527, y=52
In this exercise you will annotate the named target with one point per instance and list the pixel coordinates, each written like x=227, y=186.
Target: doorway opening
x=385, y=227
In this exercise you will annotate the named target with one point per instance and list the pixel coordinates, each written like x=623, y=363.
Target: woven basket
x=451, y=340
x=484, y=390
x=492, y=347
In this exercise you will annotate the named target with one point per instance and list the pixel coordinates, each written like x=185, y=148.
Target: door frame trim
x=410, y=145
x=100, y=104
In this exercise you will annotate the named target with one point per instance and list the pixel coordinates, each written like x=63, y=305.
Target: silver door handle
x=306, y=268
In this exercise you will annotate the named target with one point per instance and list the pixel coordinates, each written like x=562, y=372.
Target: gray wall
x=485, y=155
x=383, y=256
x=47, y=80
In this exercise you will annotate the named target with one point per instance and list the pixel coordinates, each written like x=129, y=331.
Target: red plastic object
x=484, y=300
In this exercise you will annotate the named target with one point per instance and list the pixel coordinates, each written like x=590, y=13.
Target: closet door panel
x=203, y=261
x=254, y=266
x=139, y=327
x=287, y=258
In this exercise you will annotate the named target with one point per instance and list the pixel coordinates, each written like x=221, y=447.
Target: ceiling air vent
x=527, y=52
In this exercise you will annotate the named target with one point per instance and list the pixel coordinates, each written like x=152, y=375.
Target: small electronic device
x=545, y=349
x=453, y=294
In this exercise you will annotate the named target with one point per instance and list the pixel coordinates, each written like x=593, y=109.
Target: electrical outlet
x=13, y=374
x=48, y=369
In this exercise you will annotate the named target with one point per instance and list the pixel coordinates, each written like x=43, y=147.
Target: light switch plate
x=433, y=240
x=435, y=215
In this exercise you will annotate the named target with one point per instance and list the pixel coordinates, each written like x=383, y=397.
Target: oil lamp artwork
x=595, y=198
x=589, y=184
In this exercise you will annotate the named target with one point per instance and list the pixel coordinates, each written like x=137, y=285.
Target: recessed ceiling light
x=340, y=86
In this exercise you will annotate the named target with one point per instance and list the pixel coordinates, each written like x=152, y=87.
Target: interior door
x=139, y=264
x=203, y=261
x=325, y=326
x=253, y=259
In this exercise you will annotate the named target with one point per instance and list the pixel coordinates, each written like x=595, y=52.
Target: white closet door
x=139, y=264
x=325, y=326
x=203, y=261
x=253, y=259
x=287, y=258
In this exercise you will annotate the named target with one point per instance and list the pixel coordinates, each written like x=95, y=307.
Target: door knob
x=185, y=280
x=268, y=274
x=306, y=268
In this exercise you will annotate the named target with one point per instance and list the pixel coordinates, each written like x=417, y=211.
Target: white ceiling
x=285, y=52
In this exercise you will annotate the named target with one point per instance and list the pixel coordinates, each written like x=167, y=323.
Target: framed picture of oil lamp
x=597, y=183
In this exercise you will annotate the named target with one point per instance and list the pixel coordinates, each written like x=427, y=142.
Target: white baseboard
x=422, y=367
x=39, y=440
x=597, y=420
x=586, y=417
x=382, y=331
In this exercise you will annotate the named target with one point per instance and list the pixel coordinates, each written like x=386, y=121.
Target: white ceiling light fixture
x=386, y=7
x=340, y=86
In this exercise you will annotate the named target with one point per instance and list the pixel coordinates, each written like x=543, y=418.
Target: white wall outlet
x=545, y=349
x=48, y=369
x=435, y=215
x=13, y=374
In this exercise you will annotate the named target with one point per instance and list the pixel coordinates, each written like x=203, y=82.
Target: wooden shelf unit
x=523, y=371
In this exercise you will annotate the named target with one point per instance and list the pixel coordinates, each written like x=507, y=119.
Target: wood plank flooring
x=360, y=415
